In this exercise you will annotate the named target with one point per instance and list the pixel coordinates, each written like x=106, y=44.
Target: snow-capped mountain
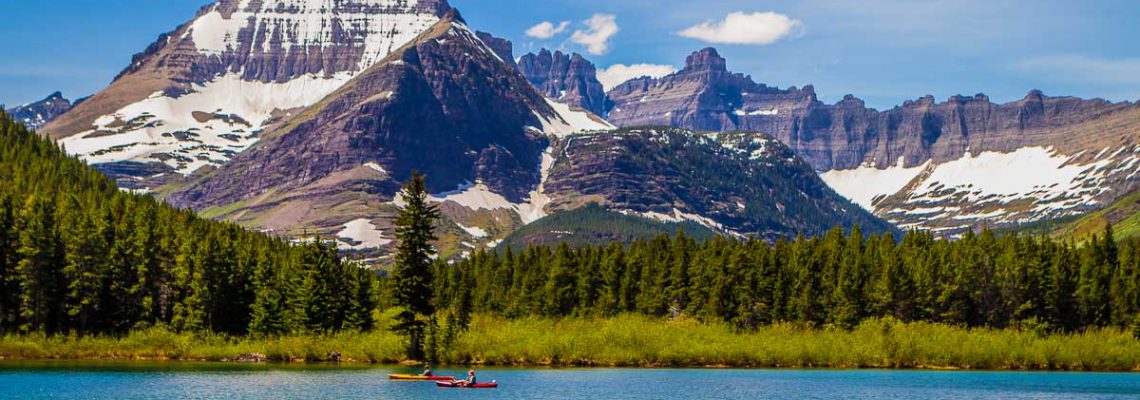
x=207, y=90
x=948, y=166
x=445, y=104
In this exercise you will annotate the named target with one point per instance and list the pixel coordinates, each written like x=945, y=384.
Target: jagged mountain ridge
x=36, y=114
x=204, y=92
x=567, y=78
x=945, y=166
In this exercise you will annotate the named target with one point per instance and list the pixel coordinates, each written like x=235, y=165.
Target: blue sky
x=884, y=51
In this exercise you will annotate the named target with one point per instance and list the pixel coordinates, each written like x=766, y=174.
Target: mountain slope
x=1124, y=215
x=205, y=91
x=737, y=182
x=945, y=166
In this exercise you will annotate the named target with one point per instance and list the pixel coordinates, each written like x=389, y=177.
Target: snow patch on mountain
x=568, y=121
x=478, y=196
x=676, y=217
x=866, y=184
x=208, y=125
x=474, y=231
x=363, y=232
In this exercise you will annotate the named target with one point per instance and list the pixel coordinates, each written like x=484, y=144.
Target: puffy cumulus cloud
x=547, y=29
x=596, y=37
x=619, y=73
x=745, y=28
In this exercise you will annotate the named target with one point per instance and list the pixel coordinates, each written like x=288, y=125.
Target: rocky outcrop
x=502, y=47
x=35, y=115
x=911, y=141
x=568, y=79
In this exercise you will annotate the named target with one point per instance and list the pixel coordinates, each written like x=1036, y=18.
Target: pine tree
x=85, y=245
x=268, y=312
x=9, y=280
x=411, y=281
x=363, y=301
x=40, y=270
x=561, y=285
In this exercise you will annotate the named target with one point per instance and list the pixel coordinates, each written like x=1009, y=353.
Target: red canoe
x=460, y=384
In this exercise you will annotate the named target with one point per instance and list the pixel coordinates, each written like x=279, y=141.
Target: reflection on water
x=118, y=380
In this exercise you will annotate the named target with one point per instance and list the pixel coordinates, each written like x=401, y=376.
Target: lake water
x=49, y=380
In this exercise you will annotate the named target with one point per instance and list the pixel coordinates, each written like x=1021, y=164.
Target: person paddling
x=470, y=378
x=427, y=370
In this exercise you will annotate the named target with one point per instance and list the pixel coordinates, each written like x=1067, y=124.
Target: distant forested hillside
x=79, y=256
x=594, y=225
x=837, y=280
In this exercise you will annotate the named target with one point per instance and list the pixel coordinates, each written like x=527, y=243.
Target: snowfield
x=866, y=184
x=1028, y=184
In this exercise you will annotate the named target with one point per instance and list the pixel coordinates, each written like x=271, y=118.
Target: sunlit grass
x=632, y=340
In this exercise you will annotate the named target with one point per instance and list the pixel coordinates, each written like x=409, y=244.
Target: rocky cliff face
x=205, y=91
x=569, y=79
x=946, y=166
x=37, y=114
x=502, y=47
x=706, y=96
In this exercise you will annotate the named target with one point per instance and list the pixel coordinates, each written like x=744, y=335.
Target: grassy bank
x=638, y=341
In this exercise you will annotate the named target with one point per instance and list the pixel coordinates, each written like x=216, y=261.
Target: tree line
x=838, y=280
x=77, y=255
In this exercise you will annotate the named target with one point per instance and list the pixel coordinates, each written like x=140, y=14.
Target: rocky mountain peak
x=707, y=59
x=34, y=115
x=208, y=89
x=566, y=78
x=1035, y=95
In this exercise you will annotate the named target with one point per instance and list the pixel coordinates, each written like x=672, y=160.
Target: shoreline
x=624, y=341
x=240, y=361
x=296, y=364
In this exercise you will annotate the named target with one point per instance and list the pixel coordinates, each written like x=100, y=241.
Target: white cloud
x=547, y=30
x=619, y=73
x=596, y=39
x=1084, y=69
x=745, y=28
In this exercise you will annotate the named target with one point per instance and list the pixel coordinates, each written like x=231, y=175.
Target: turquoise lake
x=62, y=380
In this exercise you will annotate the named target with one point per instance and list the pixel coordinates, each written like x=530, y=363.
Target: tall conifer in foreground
x=412, y=275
